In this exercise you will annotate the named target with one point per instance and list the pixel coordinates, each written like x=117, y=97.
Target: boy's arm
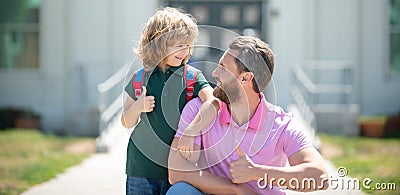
x=133, y=109
x=207, y=113
x=204, y=117
x=206, y=94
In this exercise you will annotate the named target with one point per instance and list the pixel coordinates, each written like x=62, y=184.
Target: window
x=241, y=17
x=19, y=34
x=201, y=13
x=230, y=14
x=394, y=14
x=251, y=15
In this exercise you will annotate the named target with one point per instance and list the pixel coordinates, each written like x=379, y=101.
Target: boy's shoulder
x=188, y=68
x=192, y=69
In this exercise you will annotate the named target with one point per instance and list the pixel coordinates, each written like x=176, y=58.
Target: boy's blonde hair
x=163, y=30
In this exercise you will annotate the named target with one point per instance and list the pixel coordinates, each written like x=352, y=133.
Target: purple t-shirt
x=269, y=138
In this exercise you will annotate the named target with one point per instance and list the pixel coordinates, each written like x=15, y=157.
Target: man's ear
x=247, y=76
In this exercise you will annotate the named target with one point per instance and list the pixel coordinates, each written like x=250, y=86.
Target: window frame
x=26, y=27
x=389, y=74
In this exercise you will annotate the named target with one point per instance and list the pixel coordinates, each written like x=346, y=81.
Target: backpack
x=189, y=75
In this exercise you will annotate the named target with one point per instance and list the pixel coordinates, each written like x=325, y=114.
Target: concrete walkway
x=103, y=174
x=100, y=174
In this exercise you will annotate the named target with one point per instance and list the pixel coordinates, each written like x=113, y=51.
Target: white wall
x=99, y=36
x=53, y=62
x=380, y=92
x=41, y=90
x=350, y=30
x=82, y=43
x=287, y=41
x=85, y=41
x=313, y=30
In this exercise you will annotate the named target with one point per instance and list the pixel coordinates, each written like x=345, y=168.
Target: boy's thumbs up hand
x=243, y=169
x=148, y=102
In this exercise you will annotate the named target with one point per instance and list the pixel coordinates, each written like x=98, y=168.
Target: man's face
x=228, y=86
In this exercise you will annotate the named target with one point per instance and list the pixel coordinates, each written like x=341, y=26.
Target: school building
x=338, y=58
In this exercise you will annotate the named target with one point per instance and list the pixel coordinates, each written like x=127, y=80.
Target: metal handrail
x=310, y=93
x=304, y=108
x=302, y=77
x=328, y=65
x=109, y=112
x=313, y=88
x=300, y=99
x=113, y=79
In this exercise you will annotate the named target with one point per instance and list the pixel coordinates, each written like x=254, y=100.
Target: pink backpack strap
x=137, y=81
x=190, y=78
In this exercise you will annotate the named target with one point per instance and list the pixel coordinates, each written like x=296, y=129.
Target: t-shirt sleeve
x=295, y=138
x=201, y=82
x=129, y=89
x=188, y=114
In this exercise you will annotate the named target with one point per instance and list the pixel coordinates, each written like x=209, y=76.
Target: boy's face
x=177, y=53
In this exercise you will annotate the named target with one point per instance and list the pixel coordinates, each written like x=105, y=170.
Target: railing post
x=100, y=146
x=107, y=111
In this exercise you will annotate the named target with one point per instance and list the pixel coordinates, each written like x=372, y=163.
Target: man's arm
x=305, y=165
x=180, y=170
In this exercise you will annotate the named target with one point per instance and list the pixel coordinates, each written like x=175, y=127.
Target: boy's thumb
x=144, y=91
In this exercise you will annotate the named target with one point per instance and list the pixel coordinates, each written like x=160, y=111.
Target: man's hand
x=243, y=169
x=185, y=146
x=148, y=102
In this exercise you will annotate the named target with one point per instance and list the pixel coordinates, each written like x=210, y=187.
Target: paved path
x=103, y=174
x=100, y=174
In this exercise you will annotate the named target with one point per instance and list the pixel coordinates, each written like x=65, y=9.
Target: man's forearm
x=281, y=176
x=312, y=174
x=181, y=170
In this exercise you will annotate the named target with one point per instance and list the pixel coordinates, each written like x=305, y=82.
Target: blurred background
x=64, y=64
x=336, y=60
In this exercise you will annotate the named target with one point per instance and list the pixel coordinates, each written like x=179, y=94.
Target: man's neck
x=245, y=107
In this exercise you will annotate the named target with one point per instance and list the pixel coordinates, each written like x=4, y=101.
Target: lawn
x=28, y=157
x=378, y=159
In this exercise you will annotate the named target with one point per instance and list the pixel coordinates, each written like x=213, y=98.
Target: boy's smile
x=176, y=54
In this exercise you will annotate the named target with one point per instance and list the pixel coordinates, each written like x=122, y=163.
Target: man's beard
x=232, y=96
x=220, y=94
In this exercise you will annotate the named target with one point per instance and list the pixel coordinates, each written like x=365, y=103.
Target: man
x=253, y=147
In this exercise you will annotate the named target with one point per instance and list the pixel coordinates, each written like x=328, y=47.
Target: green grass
x=378, y=159
x=28, y=157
